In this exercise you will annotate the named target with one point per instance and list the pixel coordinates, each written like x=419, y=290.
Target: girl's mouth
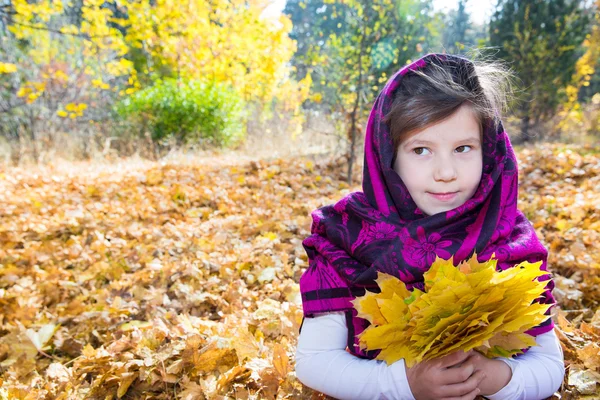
x=449, y=196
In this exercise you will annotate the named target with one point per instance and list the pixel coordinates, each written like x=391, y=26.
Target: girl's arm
x=536, y=374
x=323, y=364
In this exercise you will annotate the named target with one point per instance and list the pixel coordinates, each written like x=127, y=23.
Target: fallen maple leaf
x=280, y=361
x=471, y=306
x=41, y=337
x=101, y=248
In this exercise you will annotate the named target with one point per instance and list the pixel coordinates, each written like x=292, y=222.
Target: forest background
x=159, y=161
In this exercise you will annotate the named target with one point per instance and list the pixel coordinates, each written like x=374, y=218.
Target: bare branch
x=42, y=28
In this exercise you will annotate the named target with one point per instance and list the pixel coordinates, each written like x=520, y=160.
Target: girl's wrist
x=498, y=375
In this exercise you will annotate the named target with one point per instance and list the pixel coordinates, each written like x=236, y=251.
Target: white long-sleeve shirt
x=323, y=364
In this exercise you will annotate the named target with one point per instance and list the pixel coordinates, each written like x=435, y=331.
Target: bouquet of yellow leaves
x=471, y=306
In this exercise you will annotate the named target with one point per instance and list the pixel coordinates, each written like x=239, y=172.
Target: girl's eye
x=463, y=149
x=420, y=151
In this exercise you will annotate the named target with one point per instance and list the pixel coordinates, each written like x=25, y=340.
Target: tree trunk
x=33, y=138
x=11, y=132
x=352, y=134
x=354, y=115
x=16, y=149
x=525, y=124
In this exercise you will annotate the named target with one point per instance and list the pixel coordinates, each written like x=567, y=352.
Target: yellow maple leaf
x=463, y=307
x=368, y=309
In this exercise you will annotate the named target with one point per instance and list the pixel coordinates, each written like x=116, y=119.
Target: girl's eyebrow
x=473, y=139
x=413, y=142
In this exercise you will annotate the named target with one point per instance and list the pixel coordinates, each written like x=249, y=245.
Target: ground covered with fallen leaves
x=179, y=281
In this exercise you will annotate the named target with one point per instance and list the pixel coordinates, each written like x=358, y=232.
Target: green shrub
x=188, y=111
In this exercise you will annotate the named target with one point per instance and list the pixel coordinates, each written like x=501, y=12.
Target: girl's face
x=441, y=165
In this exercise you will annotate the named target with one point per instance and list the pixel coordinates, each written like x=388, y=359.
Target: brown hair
x=433, y=93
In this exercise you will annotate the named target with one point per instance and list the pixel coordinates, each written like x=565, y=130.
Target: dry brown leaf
x=191, y=391
x=214, y=358
x=236, y=374
x=245, y=344
x=590, y=355
x=280, y=360
x=585, y=381
x=98, y=247
x=127, y=379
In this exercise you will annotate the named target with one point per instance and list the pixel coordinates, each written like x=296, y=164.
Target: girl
x=440, y=179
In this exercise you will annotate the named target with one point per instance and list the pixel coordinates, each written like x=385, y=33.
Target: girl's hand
x=452, y=377
x=497, y=373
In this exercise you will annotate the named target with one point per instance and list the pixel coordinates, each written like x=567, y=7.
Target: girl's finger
x=472, y=359
x=454, y=358
x=459, y=389
x=469, y=396
x=450, y=376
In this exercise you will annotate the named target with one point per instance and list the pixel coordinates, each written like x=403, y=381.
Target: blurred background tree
x=351, y=48
x=460, y=33
x=543, y=41
x=99, y=76
x=65, y=67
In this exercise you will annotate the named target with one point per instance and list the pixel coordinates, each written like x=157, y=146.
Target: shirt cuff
x=398, y=370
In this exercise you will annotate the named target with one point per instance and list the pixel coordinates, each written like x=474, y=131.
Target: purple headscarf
x=382, y=229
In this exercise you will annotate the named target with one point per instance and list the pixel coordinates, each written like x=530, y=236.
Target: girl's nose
x=445, y=171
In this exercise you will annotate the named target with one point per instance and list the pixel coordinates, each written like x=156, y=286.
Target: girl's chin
x=435, y=210
x=433, y=206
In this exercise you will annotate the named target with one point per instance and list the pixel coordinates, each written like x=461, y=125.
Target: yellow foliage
x=571, y=113
x=31, y=91
x=75, y=110
x=229, y=41
x=464, y=307
x=270, y=235
x=7, y=68
x=97, y=83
